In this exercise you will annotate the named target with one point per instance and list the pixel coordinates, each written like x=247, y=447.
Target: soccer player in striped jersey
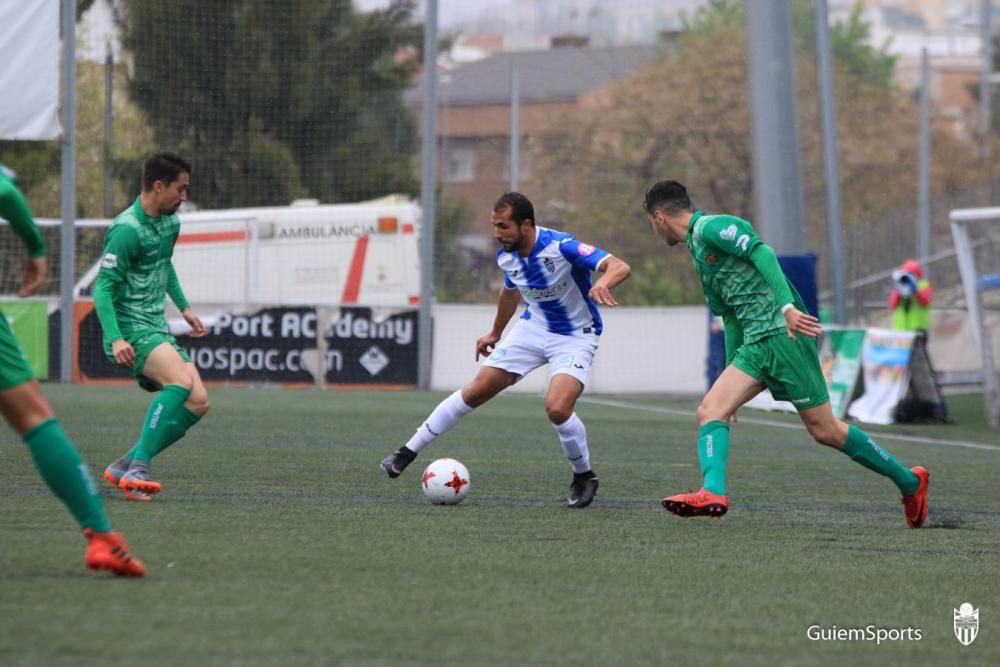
x=27, y=411
x=770, y=342
x=560, y=326
x=135, y=278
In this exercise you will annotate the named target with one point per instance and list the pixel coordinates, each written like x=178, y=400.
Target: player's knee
x=475, y=394
x=825, y=434
x=198, y=403
x=558, y=411
x=705, y=413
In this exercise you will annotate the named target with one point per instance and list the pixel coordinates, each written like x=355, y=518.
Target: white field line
x=795, y=426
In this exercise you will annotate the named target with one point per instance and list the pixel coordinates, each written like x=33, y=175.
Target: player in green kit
x=770, y=342
x=135, y=277
x=29, y=414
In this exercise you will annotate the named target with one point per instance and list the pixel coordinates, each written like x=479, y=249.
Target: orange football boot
x=109, y=551
x=113, y=475
x=697, y=503
x=136, y=486
x=915, y=504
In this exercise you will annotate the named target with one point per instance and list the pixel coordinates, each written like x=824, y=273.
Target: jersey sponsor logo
x=110, y=261
x=544, y=293
x=743, y=242
x=728, y=234
x=585, y=249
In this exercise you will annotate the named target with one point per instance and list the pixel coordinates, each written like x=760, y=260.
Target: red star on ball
x=456, y=482
x=427, y=477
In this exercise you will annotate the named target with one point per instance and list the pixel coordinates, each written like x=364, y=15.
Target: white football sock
x=448, y=413
x=573, y=438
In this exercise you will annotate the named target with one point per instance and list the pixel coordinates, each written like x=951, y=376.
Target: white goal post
x=976, y=233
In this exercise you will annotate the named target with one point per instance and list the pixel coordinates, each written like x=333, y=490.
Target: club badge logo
x=966, y=624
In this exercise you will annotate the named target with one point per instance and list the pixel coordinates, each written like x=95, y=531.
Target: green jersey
x=734, y=287
x=136, y=263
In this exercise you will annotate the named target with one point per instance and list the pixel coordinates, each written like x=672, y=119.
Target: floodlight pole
x=515, y=125
x=109, y=69
x=428, y=194
x=830, y=159
x=776, y=174
x=923, y=184
x=986, y=81
x=67, y=238
x=986, y=78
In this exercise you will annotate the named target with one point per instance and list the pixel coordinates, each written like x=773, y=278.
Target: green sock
x=713, y=451
x=175, y=430
x=63, y=469
x=864, y=450
x=178, y=426
x=156, y=430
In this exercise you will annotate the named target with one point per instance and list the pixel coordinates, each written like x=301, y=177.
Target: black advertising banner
x=363, y=349
x=280, y=345
x=265, y=346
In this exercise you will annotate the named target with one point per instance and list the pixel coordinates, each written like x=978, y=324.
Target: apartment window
x=459, y=162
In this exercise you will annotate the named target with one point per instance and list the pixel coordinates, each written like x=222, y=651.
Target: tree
x=848, y=39
x=686, y=116
x=274, y=101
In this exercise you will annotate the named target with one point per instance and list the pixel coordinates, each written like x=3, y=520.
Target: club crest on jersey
x=109, y=261
x=549, y=264
x=710, y=260
x=728, y=234
x=585, y=249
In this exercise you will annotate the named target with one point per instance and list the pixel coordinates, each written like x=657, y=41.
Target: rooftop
x=545, y=76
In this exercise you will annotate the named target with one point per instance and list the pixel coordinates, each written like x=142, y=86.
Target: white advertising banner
x=29, y=76
x=885, y=359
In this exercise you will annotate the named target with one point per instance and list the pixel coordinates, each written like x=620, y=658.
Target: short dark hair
x=521, y=208
x=667, y=196
x=163, y=166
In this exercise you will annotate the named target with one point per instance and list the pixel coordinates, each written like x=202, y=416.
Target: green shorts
x=789, y=368
x=14, y=367
x=143, y=343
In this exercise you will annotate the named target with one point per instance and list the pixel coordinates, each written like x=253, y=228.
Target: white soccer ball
x=445, y=482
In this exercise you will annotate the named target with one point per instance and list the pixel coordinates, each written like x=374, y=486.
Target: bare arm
x=615, y=272
x=507, y=302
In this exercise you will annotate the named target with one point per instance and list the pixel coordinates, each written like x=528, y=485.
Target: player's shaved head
x=521, y=208
x=668, y=196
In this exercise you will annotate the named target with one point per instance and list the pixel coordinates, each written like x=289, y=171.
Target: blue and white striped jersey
x=554, y=281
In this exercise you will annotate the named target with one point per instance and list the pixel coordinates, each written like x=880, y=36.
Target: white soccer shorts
x=529, y=346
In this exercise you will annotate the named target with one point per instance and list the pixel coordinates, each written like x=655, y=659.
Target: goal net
x=976, y=232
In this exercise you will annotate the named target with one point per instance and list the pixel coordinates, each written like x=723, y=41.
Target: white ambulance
x=305, y=254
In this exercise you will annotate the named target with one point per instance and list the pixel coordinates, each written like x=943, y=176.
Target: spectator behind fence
x=910, y=299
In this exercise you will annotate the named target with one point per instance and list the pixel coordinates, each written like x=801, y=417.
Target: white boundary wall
x=643, y=350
